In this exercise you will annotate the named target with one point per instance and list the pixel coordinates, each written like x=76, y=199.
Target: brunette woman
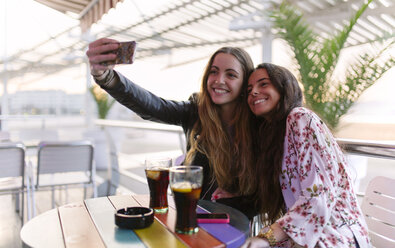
x=303, y=180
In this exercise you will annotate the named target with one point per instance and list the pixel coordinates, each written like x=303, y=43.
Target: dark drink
x=158, y=181
x=186, y=197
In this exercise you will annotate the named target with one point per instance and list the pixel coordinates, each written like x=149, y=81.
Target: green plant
x=103, y=101
x=317, y=57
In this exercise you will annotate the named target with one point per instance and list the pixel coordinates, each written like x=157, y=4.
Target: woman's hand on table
x=100, y=51
x=255, y=242
x=220, y=193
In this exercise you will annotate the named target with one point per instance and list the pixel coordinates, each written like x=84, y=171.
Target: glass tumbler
x=186, y=185
x=157, y=172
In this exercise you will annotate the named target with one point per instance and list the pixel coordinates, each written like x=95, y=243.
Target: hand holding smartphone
x=213, y=218
x=125, y=53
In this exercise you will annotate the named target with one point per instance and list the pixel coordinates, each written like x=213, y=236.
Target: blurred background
x=43, y=43
x=45, y=78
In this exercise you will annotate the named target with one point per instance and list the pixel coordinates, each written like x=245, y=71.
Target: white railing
x=149, y=126
x=370, y=148
x=114, y=171
x=42, y=118
x=364, y=148
x=379, y=149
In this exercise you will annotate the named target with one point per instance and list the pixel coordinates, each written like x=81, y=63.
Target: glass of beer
x=186, y=185
x=157, y=172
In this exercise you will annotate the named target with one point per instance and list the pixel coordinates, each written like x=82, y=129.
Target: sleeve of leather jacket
x=147, y=105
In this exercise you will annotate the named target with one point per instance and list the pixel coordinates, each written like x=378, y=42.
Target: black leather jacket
x=182, y=113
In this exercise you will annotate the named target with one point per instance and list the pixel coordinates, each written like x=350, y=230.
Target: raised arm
x=144, y=103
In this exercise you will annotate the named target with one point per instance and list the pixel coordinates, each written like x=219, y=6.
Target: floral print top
x=322, y=209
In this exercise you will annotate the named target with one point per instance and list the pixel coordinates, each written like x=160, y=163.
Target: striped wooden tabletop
x=91, y=224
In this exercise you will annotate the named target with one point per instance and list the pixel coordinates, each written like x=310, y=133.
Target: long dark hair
x=209, y=135
x=268, y=141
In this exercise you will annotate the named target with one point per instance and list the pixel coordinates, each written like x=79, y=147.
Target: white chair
x=378, y=207
x=63, y=164
x=13, y=179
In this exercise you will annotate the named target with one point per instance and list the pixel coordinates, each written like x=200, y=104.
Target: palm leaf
x=330, y=51
x=102, y=100
x=317, y=58
x=291, y=27
x=360, y=75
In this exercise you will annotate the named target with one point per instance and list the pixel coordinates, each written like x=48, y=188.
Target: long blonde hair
x=229, y=158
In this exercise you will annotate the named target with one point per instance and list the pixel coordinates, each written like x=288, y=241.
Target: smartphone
x=125, y=53
x=213, y=218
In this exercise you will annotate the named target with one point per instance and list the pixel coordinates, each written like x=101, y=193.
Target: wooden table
x=91, y=224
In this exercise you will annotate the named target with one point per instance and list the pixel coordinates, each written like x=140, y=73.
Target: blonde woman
x=215, y=120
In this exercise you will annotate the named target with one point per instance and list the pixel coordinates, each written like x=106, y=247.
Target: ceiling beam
x=63, y=6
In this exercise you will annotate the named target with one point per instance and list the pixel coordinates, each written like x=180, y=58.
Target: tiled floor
x=9, y=223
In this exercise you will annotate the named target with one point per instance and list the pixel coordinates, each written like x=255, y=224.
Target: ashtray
x=134, y=217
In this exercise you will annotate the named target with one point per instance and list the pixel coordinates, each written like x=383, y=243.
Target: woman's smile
x=263, y=97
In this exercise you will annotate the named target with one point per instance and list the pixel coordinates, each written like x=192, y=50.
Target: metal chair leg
x=66, y=189
x=29, y=189
x=22, y=211
x=17, y=203
x=53, y=196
